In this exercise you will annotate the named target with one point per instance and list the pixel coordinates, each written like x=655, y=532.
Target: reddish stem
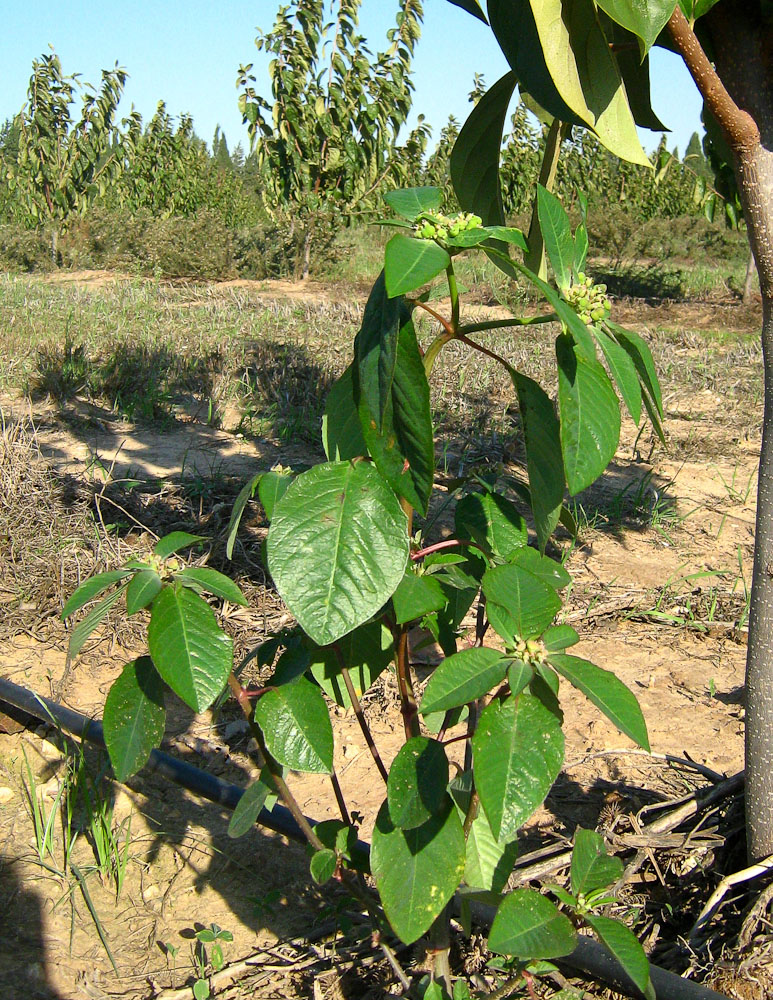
x=450, y=543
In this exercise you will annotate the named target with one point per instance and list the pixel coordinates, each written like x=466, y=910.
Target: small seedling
x=212, y=936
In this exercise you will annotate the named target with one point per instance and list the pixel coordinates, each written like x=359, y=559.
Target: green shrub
x=23, y=249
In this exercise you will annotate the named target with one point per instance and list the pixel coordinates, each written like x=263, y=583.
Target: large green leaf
x=625, y=946
x=623, y=372
x=365, y=652
x=585, y=73
x=174, y=542
x=412, y=202
x=518, y=749
x=271, y=488
x=644, y=18
x=410, y=263
x=143, y=588
x=607, y=692
x=462, y=678
x=341, y=432
x=211, y=581
x=531, y=603
x=590, y=416
x=635, y=72
x=592, y=867
x=492, y=521
x=190, y=651
x=134, y=717
x=474, y=163
x=417, y=871
x=418, y=777
x=337, y=548
x=488, y=864
x=296, y=727
x=528, y=926
x=92, y=588
x=543, y=567
x=544, y=463
x=557, y=234
x=472, y=7
x=641, y=356
x=416, y=596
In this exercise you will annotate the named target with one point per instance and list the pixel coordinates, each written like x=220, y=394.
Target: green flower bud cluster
x=531, y=651
x=589, y=301
x=441, y=227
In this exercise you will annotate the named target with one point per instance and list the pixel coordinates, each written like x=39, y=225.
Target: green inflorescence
x=531, y=651
x=589, y=301
x=441, y=227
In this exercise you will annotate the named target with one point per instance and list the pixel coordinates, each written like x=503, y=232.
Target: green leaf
x=640, y=354
x=246, y=493
x=190, y=651
x=592, y=867
x=201, y=989
x=296, y=727
x=142, y=589
x=635, y=73
x=544, y=462
x=518, y=749
x=134, y=717
x=623, y=372
x=417, y=871
x=416, y=789
x=492, y=521
x=558, y=637
x=586, y=75
x=543, y=567
x=645, y=20
x=410, y=263
x=590, y=416
x=366, y=652
x=607, y=692
x=416, y=596
x=392, y=393
x=90, y=589
x=271, y=488
x=528, y=926
x=412, y=202
x=531, y=603
x=248, y=808
x=519, y=676
x=213, y=582
x=94, y=618
x=463, y=677
x=169, y=544
x=488, y=864
x=557, y=234
x=472, y=7
x=337, y=548
x=341, y=432
x=509, y=234
x=623, y=944
x=323, y=865
x=580, y=249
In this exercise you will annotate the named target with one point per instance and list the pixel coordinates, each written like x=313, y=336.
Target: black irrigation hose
x=588, y=958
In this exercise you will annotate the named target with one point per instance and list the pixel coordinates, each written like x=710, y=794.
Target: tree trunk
x=743, y=44
x=55, y=245
x=306, y=254
x=751, y=270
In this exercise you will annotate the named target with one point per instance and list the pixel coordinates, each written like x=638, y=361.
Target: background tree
x=325, y=140
x=64, y=164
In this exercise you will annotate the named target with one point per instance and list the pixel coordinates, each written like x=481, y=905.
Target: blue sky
x=188, y=55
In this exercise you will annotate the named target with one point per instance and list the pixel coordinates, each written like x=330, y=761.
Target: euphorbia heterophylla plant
x=355, y=555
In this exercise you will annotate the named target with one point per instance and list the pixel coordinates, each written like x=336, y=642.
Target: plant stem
x=496, y=324
x=405, y=684
x=340, y=798
x=488, y=353
x=360, y=715
x=453, y=289
x=440, y=946
x=449, y=543
x=448, y=327
x=472, y=812
x=535, y=259
x=434, y=349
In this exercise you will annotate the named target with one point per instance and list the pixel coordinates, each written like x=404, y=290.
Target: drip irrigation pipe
x=588, y=958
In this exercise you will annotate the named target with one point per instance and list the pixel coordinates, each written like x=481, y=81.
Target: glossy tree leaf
x=134, y=717
x=271, y=488
x=416, y=596
x=249, y=806
x=142, y=589
x=341, y=432
x=92, y=588
x=528, y=926
x=635, y=73
x=544, y=462
x=592, y=868
x=296, y=727
x=412, y=202
x=590, y=416
x=174, y=542
x=585, y=73
x=492, y=521
x=213, y=582
x=557, y=234
x=246, y=494
x=472, y=7
x=531, y=603
x=417, y=871
x=463, y=677
x=190, y=651
x=623, y=372
x=624, y=945
x=366, y=652
x=92, y=620
x=543, y=567
x=518, y=749
x=607, y=692
x=645, y=20
x=418, y=777
x=410, y=263
x=337, y=548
